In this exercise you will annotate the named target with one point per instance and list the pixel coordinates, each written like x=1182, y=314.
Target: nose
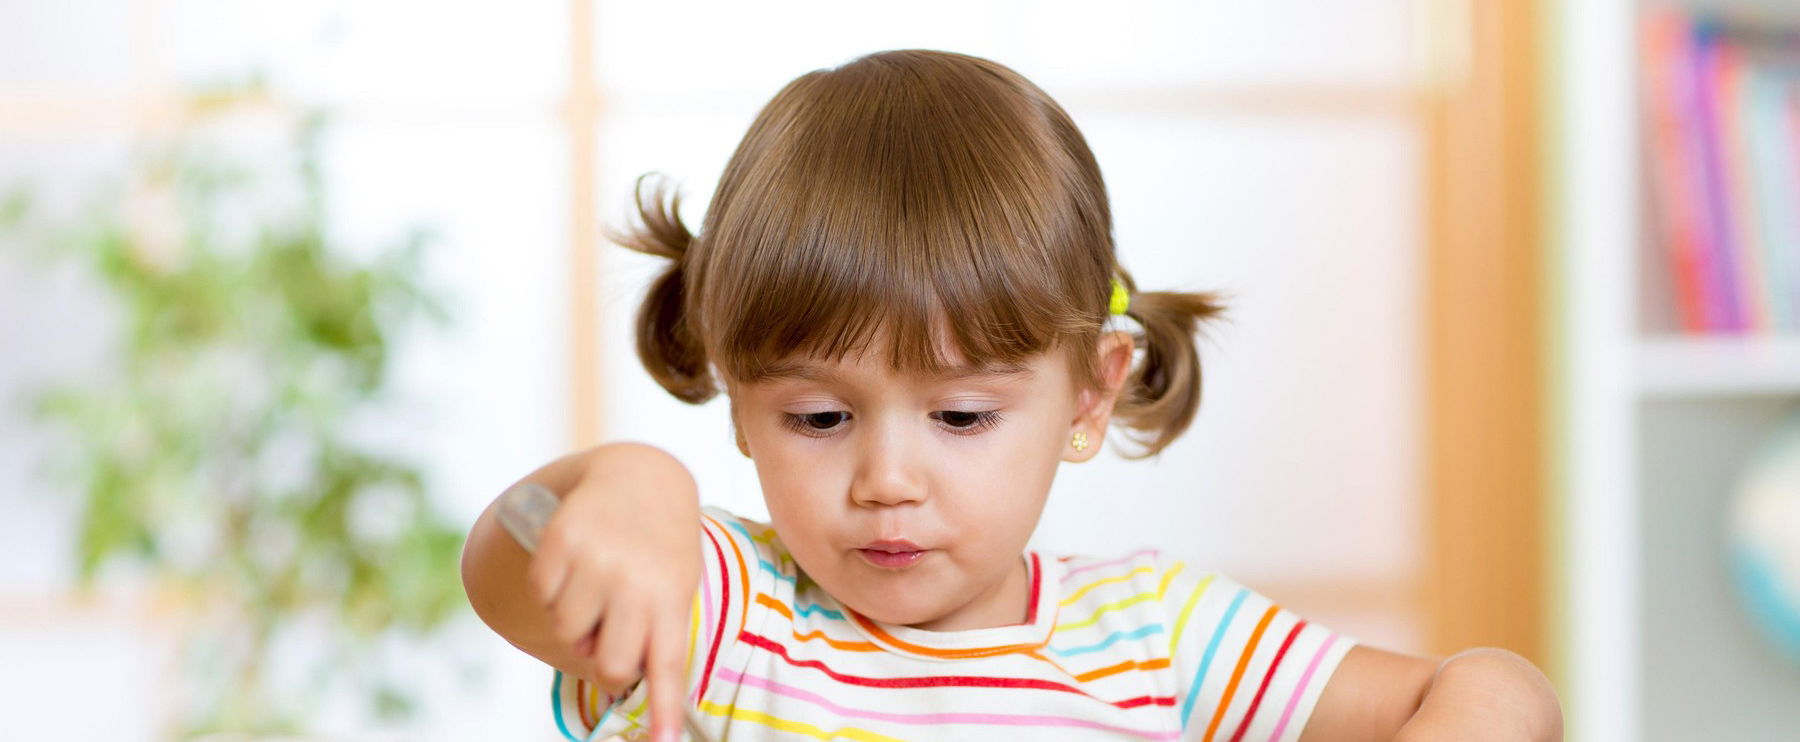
x=889, y=470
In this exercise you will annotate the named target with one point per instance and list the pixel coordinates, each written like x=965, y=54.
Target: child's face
x=850, y=454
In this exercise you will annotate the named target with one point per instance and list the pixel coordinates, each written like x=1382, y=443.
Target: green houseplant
x=216, y=454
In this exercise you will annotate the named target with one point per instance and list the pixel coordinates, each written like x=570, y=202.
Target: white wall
x=446, y=116
x=1300, y=466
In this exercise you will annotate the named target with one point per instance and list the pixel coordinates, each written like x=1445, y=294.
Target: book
x=1735, y=113
x=1721, y=117
x=1768, y=106
x=1792, y=198
x=1714, y=210
x=1672, y=137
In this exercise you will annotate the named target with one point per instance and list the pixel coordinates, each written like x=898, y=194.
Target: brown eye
x=815, y=423
x=965, y=422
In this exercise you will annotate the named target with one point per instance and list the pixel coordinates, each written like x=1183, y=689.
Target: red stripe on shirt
x=1145, y=701
x=724, y=607
x=1037, y=573
x=1254, y=702
x=941, y=681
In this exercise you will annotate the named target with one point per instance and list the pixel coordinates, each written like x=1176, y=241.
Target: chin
x=894, y=609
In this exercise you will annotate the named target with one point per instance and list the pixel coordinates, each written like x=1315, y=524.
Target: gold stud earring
x=1079, y=441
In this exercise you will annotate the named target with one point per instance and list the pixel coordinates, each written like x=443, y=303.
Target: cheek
x=801, y=489
x=1009, y=479
x=808, y=529
x=792, y=466
x=1042, y=439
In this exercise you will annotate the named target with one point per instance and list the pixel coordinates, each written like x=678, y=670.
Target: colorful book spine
x=1748, y=242
x=1722, y=139
x=1793, y=199
x=1715, y=214
x=1777, y=178
x=1668, y=91
x=1779, y=154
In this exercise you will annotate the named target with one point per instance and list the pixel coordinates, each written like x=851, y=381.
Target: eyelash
x=984, y=420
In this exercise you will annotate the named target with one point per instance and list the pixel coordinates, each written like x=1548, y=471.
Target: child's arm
x=623, y=546
x=1478, y=694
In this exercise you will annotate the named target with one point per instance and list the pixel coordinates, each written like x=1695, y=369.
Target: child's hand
x=616, y=570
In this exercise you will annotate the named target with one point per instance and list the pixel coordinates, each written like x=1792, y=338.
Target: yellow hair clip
x=1120, y=301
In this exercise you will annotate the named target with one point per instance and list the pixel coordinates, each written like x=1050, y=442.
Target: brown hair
x=893, y=192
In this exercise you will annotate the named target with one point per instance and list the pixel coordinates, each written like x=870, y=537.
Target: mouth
x=892, y=553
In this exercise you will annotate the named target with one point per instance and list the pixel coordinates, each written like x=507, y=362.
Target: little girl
x=905, y=285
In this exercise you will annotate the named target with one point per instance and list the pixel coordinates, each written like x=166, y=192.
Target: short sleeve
x=731, y=550
x=1246, y=668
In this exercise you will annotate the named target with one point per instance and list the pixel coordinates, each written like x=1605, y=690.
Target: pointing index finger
x=665, y=672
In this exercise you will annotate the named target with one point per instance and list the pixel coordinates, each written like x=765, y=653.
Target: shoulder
x=1086, y=578
x=1109, y=603
x=1152, y=574
x=747, y=549
x=756, y=539
x=728, y=524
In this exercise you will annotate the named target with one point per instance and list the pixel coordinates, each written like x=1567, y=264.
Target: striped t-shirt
x=1132, y=647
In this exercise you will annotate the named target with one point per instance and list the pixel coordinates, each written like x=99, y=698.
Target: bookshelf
x=1671, y=367
x=1651, y=424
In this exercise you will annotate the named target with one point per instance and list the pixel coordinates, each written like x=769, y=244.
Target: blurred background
x=289, y=291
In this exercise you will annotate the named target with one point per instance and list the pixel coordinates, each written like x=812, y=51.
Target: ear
x=1093, y=409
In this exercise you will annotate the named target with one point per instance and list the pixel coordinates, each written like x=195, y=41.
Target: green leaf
x=262, y=332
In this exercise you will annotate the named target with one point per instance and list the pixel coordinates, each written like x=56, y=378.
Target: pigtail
x=666, y=343
x=1162, y=394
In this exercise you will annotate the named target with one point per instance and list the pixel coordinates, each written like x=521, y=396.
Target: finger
x=548, y=571
x=620, y=656
x=578, y=608
x=664, y=671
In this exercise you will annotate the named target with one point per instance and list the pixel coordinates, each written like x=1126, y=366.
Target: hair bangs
x=845, y=285
x=891, y=221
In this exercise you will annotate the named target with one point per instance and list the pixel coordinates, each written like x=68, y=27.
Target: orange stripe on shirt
x=1039, y=656
x=1238, y=672
x=870, y=627
x=1156, y=664
x=581, y=703
x=779, y=607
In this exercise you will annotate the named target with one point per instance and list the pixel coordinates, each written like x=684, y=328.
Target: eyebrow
x=809, y=372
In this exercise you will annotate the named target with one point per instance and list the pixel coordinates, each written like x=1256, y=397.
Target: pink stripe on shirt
x=1299, y=690
x=1019, y=720
x=1109, y=563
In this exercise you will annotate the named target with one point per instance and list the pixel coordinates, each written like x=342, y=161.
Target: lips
x=892, y=553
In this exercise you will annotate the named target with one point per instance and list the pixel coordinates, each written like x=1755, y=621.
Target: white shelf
x=1675, y=366
x=1654, y=428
